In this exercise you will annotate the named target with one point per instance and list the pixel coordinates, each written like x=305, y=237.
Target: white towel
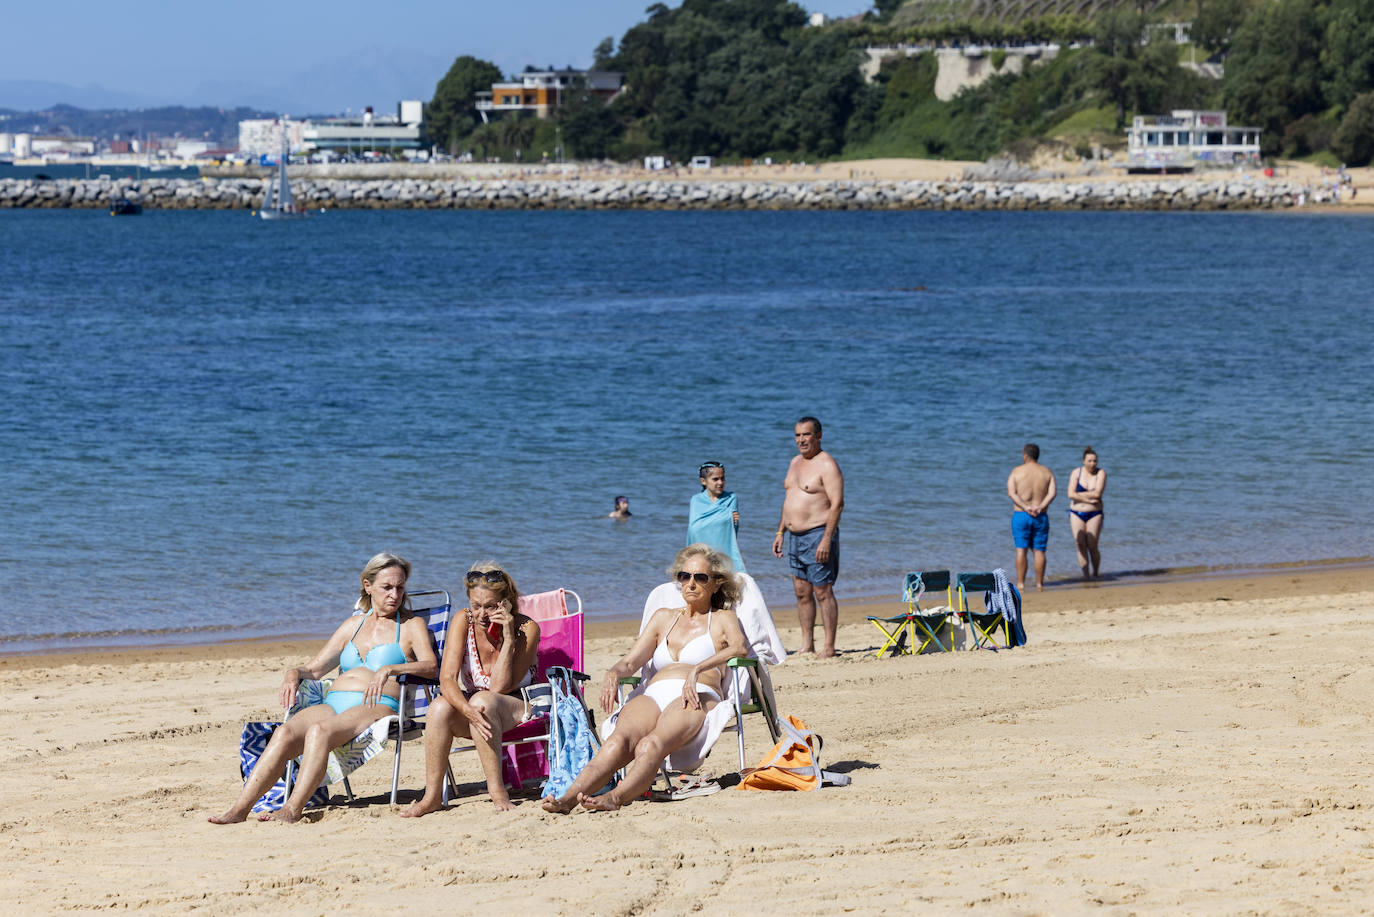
x=764, y=645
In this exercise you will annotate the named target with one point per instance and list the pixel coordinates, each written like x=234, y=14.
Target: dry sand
x=1178, y=745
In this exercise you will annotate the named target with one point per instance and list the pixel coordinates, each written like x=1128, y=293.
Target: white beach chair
x=748, y=687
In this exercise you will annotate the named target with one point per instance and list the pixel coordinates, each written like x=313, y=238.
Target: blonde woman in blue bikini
x=1086, y=486
x=370, y=651
x=687, y=647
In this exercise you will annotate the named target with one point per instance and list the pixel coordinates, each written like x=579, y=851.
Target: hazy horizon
x=293, y=60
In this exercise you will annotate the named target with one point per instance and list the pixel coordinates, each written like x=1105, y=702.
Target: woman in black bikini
x=1086, y=485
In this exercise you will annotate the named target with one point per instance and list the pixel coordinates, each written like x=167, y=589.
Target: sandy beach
x=1182, y=744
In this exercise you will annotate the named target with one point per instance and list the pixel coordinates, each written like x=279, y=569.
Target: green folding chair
x=909, y=634
x=983, y=626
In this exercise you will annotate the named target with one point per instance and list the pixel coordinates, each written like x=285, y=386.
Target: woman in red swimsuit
x=1086, y=485
x=489, y=655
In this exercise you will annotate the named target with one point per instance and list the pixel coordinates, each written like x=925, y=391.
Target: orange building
x=541, y=92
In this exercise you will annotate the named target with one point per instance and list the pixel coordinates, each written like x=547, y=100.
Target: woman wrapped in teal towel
x=714, y=515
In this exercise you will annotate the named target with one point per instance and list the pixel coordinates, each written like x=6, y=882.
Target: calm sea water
x=210, y=423
x=83, y=170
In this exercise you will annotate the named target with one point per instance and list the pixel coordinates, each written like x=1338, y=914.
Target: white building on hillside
x=1183, y=139
x=263, y=136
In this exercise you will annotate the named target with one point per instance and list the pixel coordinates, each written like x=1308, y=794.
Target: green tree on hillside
x=1273, y=76
x=1216, y=21
x=1348, y=55
x=450, y=115
x=589, y=126
x=737, y=78
x=1354, y=140
x=603, y=53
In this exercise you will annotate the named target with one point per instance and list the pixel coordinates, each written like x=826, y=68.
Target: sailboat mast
x=284, y=184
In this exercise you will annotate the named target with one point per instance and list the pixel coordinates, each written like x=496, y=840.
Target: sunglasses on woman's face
x=702, y=578
x=491, y=576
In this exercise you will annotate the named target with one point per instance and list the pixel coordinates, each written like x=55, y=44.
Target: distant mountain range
x=219, y=126
x=376, y=76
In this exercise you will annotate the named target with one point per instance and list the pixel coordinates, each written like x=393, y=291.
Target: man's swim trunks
x=800, y=550
x=1029, y=531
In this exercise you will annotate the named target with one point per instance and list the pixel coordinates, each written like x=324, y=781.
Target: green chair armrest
x=743, y=662
x=630, y=680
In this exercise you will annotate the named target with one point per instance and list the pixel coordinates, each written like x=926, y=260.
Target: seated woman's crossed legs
x=444, y=723
x=309, y=734
x=643, y=735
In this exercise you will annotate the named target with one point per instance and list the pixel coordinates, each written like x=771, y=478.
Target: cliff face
x=961, y=68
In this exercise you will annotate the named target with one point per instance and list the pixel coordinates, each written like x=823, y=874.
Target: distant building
x=1178, y=141
x=190, y=149
x=262, y=136
x=63, y=146
x=541, y=92
x=400, y=131
x=367, y=131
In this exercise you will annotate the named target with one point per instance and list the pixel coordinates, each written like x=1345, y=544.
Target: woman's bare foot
x=603, y=803
x=423, y=806
x=826, y=654
x=228, y=818
x=502, y=805
x=557, y=806
x=283, y=815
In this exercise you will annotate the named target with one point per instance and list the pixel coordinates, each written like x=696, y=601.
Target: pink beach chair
x=560, y=644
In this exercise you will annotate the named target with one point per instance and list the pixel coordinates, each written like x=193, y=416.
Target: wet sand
x=1184, y=742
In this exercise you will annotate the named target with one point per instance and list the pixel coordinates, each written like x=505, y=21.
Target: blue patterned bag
x=571, y=739
x=251, y=746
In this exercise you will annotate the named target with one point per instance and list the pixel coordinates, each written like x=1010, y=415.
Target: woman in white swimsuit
x=489, y=655
x=688, y=647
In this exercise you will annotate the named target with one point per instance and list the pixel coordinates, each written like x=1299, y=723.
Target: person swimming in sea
x=622, y=508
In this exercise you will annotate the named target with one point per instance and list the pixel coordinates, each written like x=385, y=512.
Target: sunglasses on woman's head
x=703, y=578
x=491, y=576
x=706, y=466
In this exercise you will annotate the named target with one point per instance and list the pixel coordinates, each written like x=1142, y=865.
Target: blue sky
x=298, y=58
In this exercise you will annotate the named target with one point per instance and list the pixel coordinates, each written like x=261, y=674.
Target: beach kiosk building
x=1181, y=140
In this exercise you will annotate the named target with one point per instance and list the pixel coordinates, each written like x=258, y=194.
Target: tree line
x=744, y=79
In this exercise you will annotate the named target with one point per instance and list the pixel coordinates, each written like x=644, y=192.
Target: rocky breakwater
x=651, y=194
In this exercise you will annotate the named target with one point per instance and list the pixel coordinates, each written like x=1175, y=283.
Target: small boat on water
x=125, y=207
x=278, y=204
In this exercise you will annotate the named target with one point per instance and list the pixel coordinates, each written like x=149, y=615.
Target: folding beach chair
x=748, y=684
x=434, y=606
x=983, y=626
x=921, y=625
x=560, y=647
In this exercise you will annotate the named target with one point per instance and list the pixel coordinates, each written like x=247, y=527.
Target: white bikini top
x=697, y=650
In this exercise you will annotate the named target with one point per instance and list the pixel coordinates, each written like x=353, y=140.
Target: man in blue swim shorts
x=1032, y=489
x=809, y=533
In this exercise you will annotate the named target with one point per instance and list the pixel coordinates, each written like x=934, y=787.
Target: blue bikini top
x=380, y=655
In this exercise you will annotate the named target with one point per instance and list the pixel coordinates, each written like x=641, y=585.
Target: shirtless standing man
x=809, y=533
x=1031, y=488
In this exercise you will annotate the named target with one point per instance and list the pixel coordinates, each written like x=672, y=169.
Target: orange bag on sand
x=793, y=764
